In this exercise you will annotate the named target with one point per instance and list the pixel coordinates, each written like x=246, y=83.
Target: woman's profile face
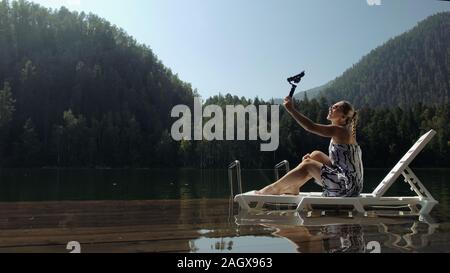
x=335, y=111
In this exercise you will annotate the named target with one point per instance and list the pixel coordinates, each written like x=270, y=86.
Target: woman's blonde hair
x=351, y=116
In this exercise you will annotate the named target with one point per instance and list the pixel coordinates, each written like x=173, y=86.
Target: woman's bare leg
x=292, y=181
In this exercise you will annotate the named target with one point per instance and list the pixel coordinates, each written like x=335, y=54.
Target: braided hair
x=354, y=123
x=352, y=116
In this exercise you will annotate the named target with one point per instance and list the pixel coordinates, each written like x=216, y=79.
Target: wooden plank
x=114, y=226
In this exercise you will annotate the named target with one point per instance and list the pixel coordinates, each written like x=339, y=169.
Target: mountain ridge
x=411, y=68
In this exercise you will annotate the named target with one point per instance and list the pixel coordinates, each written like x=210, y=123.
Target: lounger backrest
x=403, y=164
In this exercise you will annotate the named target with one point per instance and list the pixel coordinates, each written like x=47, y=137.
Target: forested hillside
x=80, y=91
x=76, y=91
x=409, y=69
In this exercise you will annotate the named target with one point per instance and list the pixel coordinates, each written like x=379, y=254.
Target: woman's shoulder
x=343, y=135
x=351, y=141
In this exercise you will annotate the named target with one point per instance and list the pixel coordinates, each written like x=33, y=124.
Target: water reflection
x=317, y=233
x=206, y=225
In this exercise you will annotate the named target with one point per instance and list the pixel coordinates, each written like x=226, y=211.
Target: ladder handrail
x=235, y=165
x=283, y=163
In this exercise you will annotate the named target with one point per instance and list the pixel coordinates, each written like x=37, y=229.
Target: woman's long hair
x=352, y=116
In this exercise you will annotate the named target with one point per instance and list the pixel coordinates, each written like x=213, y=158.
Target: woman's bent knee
x=317, y=155
x=321, y=157
x=304, y=163
x=309, y=164
x=312, y=167
x=307, y=161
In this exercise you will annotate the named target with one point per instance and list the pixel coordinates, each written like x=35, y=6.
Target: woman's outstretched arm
x=309, y=125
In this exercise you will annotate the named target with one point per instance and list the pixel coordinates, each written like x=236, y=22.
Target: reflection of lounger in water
x=333, y=234
x=344, y=238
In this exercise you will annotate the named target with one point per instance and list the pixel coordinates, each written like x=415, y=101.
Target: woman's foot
x=272, y=190
x=291, y=191
x=269, y=190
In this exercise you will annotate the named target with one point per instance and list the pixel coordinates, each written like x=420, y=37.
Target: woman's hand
x=308, y=156
x=289, y=104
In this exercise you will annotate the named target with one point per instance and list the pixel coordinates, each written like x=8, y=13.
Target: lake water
x=190, y=211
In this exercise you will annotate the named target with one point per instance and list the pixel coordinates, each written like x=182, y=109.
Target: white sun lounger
x=420, y=204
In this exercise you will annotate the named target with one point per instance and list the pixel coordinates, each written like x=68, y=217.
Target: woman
x=340, y=174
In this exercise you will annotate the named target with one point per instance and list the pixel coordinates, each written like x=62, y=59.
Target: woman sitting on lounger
x=340, y=174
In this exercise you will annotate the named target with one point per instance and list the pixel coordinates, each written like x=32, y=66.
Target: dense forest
x=411, y=68
x=76, y=91
x=385, y=135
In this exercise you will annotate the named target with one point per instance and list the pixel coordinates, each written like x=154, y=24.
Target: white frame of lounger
x=304, y=201
x=296, y=218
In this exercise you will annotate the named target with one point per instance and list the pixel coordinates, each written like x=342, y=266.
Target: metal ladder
x=237, y=165
x=280, y=165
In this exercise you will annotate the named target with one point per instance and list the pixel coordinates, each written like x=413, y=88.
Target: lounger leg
x=427, y=206
x=413, y=208
x=303, y=205
x=260, y=205
x=358, y=207
x=244, y=205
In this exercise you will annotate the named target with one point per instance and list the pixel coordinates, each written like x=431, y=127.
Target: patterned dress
x=345, y=177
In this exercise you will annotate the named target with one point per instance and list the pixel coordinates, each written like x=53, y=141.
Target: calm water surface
x=190, y=211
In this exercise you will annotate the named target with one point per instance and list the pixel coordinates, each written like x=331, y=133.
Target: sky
x=249, y=48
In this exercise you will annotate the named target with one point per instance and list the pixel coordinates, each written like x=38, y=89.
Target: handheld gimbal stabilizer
x=294, y=81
